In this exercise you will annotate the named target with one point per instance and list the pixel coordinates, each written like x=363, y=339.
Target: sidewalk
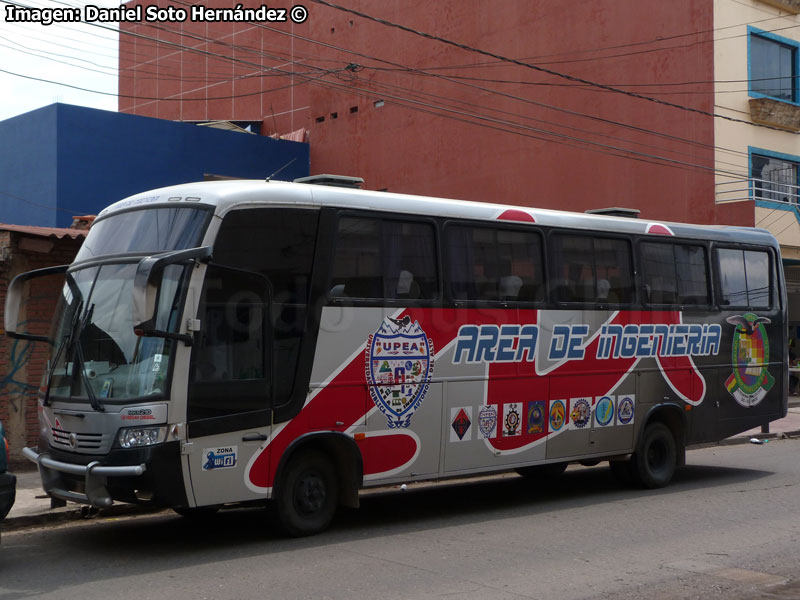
x=32, y=507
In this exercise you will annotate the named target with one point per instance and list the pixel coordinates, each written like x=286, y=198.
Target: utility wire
x=537, y=68
x=510, y=96
x=472, y=115
x=494, y=91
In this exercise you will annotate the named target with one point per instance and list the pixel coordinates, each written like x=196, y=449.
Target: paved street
x=727, y=528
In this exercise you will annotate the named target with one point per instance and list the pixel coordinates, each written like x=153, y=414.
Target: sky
x=75, y=54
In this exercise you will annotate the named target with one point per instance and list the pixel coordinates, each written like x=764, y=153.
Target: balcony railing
x=738, y=190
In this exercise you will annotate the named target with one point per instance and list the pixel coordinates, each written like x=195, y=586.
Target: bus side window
x=592, y=269
x=356, y=262
x=660, y=282
x=675, y=274
x=409, y=256
x=494, y=264
x=231, y=344
x=692, y=274
x=384, y=258
x=745, y=276
x=229, y=358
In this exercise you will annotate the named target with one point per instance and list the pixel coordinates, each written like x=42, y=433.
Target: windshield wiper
x=80, y=361
x=66, y=343
x=61, y=346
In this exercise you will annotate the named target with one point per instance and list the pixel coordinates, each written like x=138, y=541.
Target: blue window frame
x=774, y=176
x=773, y=66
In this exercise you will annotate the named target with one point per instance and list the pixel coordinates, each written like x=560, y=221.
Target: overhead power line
x=465, y=116
x=397, y=99
x=525, y=65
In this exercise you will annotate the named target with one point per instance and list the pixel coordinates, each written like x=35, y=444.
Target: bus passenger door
x=229, y=389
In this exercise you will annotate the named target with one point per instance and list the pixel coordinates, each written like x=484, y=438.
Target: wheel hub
x=310, y=494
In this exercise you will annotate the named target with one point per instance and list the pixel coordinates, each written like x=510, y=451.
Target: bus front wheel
x=308, y=497
x=654, y=462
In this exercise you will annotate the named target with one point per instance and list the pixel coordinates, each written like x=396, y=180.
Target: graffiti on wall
x=12, y=382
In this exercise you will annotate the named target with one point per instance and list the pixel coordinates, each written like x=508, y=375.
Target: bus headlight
x=136, y=437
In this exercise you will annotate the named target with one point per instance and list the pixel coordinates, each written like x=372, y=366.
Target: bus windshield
x=96, y=353
x=150, y=230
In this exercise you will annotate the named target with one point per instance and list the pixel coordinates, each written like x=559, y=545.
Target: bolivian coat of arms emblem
x=750, y=380
x=399, y=365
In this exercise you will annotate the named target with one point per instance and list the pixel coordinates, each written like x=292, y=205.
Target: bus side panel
x=404, y=452
x=601, y=421
x=751, y=385
x=703, y=419
x=372, y=381
x=476, y=429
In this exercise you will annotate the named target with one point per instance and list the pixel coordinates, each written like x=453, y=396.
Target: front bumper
x=8, y=492
x=95, y=478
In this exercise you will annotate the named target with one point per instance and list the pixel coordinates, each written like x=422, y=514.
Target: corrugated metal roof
x=56, y=232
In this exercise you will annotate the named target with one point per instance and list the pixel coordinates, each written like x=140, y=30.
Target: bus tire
x=308, y=495
x=548, y=471
x=654, y=462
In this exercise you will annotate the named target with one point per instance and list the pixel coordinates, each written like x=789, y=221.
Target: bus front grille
x=70, y=440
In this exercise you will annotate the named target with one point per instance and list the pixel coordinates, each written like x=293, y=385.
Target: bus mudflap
x=94, y=476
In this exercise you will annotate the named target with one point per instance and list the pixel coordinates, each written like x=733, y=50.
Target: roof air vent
x=333, y=180
x=615, y=211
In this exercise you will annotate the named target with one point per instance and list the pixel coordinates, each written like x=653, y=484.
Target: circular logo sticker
x=604, y=411
x=625, y=411
x=558, y=412
x=581, y=412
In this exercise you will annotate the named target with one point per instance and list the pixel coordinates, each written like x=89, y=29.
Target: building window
x=773, y=66
x=774, y=178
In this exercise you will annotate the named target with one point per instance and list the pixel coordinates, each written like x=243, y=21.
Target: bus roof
x=230, y=194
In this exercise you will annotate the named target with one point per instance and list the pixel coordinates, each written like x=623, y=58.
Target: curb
x=735, y=441
x=783, y=435
x=78, y=513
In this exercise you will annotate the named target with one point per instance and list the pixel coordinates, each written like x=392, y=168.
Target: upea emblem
x=399, y=365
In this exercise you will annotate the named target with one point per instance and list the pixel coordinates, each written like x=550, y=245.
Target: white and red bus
x=244, y=342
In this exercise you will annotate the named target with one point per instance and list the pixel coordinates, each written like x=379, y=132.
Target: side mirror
x=14, y=298
x=147, y=290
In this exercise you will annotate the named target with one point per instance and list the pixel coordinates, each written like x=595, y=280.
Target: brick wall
x=22, y=363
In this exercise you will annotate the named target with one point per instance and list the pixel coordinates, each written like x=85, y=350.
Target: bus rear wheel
x=654, y=462
x=308, y=496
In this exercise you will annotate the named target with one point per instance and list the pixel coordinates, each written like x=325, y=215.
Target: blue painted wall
x=28, y=168
x=64, y=160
